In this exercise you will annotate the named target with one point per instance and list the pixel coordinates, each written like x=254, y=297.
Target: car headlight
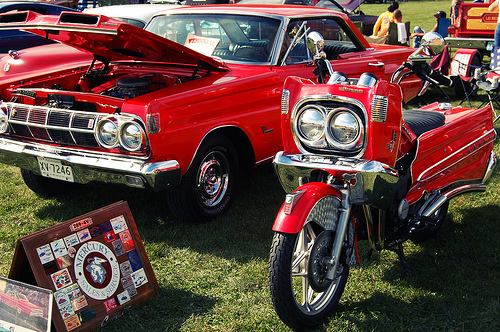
x=107, y=133
x=131, y=136
x=4, y=121
x=344, y=129
x=311, y=123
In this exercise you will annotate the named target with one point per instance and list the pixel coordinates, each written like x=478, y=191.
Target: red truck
x=473, y=34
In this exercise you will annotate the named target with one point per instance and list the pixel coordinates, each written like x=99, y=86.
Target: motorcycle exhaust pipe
x=446, y=196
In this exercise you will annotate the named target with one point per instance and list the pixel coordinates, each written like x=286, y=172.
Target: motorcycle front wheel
x=301, y=296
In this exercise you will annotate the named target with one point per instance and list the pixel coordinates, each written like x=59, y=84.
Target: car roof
x=131, y=11
x=277, y=10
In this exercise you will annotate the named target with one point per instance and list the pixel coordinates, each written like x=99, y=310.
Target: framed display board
x=95, y=264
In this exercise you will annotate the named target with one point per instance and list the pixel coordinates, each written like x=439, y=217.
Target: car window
x=338, y=39
x=132, y=21
x=240, y=38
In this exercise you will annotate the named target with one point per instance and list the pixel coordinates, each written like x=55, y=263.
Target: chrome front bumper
x=91, y=166
x=371, y=182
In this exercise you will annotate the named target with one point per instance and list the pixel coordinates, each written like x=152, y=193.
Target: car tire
x=208, y=187
x=44, y=186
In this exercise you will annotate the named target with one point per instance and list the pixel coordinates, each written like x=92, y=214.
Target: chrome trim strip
x=457, y=152
x=491, y=166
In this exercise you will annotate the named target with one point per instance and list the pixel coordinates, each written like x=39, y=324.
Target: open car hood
x=346, y=6
x=350, y=5
x=108, y=39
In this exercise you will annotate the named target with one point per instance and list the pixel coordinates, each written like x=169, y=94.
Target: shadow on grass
x=456, y=275
x=170, y=305
x=244, y=232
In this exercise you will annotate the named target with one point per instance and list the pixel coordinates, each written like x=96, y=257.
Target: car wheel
x=208, y=187
x=44, y=186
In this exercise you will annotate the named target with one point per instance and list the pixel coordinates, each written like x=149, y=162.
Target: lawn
x=213, y=276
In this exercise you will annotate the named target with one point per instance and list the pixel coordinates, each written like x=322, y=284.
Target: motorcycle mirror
x=315, y=42
x=433, y=43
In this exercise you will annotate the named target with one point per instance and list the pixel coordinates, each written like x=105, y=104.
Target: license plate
x=54, y=169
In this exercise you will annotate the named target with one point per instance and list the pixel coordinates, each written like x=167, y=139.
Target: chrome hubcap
x=213, y=177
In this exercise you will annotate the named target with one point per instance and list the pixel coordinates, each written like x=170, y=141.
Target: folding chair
x=393, y=36
x=443, y=25
x=489, y=82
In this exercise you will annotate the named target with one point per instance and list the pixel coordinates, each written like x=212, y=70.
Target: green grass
x=213, y=276
x=416, y=12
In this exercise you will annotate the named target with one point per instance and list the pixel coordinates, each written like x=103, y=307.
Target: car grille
x=53, y=125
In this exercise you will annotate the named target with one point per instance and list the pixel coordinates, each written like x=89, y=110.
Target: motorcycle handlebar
x=440, y=78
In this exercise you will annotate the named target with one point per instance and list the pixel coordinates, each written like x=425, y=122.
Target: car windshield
x=252, y=39
x=230, y=37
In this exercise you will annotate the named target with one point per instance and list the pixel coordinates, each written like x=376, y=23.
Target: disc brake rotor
x=320, y=253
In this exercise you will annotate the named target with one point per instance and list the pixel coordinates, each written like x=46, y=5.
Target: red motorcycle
x=356, y=166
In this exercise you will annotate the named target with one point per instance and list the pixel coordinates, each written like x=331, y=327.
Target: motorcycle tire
x=296, y=302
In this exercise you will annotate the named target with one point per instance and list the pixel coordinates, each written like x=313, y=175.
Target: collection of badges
x=99, y=262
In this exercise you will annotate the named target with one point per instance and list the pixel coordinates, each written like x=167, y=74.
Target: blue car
x=15, y=39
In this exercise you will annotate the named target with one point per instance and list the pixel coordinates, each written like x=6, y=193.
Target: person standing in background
x=492, y=8
x=455, y=4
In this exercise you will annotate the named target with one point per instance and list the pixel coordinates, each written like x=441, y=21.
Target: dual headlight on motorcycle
x=325, y=128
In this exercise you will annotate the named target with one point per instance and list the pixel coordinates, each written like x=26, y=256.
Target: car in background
x=182, y=107
x=362, y=21
x=136, y=14
x=15, y=39
x=474, y=27
x=56, y=57
x=472, y=34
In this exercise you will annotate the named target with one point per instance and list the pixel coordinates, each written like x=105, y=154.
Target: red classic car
x=21, y=303
x=180, y=107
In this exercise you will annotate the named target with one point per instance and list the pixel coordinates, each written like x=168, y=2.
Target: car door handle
x=377, y=64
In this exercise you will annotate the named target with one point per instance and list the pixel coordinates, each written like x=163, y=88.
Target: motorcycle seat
x=421, y=121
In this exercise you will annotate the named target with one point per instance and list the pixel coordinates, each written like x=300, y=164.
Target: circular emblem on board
x=96, y=270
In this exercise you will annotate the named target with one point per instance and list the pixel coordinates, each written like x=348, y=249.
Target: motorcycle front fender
x=294, y=212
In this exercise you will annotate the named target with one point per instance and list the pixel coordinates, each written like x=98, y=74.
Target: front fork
x=345, y=212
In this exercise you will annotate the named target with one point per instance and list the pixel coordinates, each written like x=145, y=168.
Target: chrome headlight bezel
x=125, y=136
x=4, y=120
x=332, y=106
x=310, y=125
x=352, y=122
x=107, y=126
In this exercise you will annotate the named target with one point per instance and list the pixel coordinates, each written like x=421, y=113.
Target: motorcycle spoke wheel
x=295, y=300
x=308, y=300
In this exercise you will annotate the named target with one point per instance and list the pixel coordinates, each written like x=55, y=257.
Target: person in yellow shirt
x=382, y=25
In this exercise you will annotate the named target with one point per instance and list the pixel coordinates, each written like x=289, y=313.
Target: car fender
x=306, y=196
